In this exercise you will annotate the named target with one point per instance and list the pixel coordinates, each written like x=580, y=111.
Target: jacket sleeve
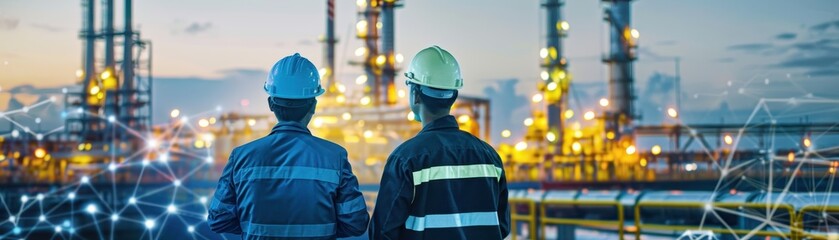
x=350, y=205
x=394, y=200
x=503, y=206
x=222, y=215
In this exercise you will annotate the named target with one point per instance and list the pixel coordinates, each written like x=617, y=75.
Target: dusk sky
x=732, y=51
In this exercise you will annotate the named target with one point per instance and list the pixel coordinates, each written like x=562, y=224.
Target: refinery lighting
x=175, y=113
x=505, y=133
x=588, y=115
x=521, y=146
x=656, y=150
x=604, y=102
x=528, y=122
x=728, y=139
x=672, y=113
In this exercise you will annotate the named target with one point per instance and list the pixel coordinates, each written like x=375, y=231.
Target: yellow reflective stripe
x=456, y=172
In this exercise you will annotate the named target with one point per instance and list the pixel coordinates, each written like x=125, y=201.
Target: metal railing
x=800, y=221
x=619, y=223
x=516, y=217
x=789, y=234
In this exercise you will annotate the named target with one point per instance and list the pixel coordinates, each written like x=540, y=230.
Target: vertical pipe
x=330, y=45
x=554, y=63
x=128, y=66
x=389, y=68
x=108, y=32
x=89, y=75
x=620, y=60
x=373, y=71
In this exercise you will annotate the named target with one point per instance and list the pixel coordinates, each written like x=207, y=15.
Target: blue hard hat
x=293, y=77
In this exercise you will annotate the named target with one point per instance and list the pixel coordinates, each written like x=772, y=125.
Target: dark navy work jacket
x=442, y=184
x=288, y=185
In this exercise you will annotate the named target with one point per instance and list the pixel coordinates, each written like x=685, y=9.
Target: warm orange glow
x=656, y=150
x=728, y=139
x=40, y=153
x=791, y=156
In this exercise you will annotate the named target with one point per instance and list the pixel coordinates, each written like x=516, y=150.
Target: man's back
x=442, y=184
x=291, y=185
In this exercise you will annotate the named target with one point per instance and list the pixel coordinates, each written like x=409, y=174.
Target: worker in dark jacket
x=289, y=184
x=444, y=183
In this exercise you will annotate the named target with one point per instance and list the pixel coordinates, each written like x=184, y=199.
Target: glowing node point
x=164, y=157
x=12, y=219
x=42, y=218
x=91, y=208
x=15, y=133
x=177, y=182
x=172, y=208
x=85, y=179
x=24, y=199
x=149, y=223
x=39, y=136
x=708, y=207
x=132, y=200
x=112, y=118
x=57, y=229
x=16, y=230
x=112, y=167
x=209, y=159
x=203, y=200
x=190, y=229
x=114, y=217
x=40, y=196
x=146, y=162
x=71, y=196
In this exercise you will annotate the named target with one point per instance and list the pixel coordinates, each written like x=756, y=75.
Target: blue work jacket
x=288, y=185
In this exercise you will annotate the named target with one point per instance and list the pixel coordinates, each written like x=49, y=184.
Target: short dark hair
x=435, y=105
x=293, y=110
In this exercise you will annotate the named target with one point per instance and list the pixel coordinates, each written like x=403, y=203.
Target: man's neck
x=428, y=118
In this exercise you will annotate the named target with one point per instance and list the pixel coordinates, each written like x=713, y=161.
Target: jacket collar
x=290, y=127
x=443, y=123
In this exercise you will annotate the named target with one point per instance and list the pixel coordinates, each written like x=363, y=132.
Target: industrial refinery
x=583, y=166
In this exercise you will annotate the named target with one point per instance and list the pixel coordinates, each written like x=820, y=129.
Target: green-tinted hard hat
x=293, y=77
x=435, y=67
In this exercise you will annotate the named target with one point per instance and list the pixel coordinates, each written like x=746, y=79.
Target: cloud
x=505, y=103
x=750, y=47
x=9, y=24
x=198, y=27
x=824, y=72
x=786, y=36
x=30, y=89
x=821, y=27
x=726, y=60
x=46, y=27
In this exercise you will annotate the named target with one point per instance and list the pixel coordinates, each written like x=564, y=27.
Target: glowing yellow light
x=563, y=25
x=175, y=113
x=727, y=139
x=521, y=146
x=361, y=26
x=322, y=72
x=360, y=51
x=672, y=113
x=203, y=123
x=368, y=134
x=528, y=121
x=576, y=147
x=832, y=170
x=578, y=134
x=94, y=90
x=346, y=116
x=656, y=150
x=588, y=115
x=568, y=114
x=807, y=142
x=100, y=95
x=551, y=86
x=604, y=102
x=88, y=146
x=212, y=120
x=105, y=75
x=550, y=136
x=561, y=75
x=79, y=73
x=361, y=79
x=610, y=135
x=40, y=153
x=400, y=58
x=544, y=75
x=536, y=98
x=379, y=25
x=341, y=87
x=463, y=118
x=365, y=100
x=791, y=156
x=2, y=157
x=411, y=116
x=380, y=60
x=506, y=133
x=552, y=52
x=199, y=144
x=340, y=99
x=543, y=53
x=251, y=122
x=81, y=146
x=635, y=34
x=317, y=122
x=630, y=150
x=400, y=93
x=643, y=162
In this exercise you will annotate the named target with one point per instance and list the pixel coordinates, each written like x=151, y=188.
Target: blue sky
x=725, y=46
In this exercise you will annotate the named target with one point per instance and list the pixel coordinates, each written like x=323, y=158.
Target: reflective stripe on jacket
x=442, y=184
x=288, y=185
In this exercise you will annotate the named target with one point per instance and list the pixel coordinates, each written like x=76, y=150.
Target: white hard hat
x=293, y=77
x=435, y=67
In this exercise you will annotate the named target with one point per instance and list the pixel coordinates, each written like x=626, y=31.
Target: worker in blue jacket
x=289, y=184
x=444, y=183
